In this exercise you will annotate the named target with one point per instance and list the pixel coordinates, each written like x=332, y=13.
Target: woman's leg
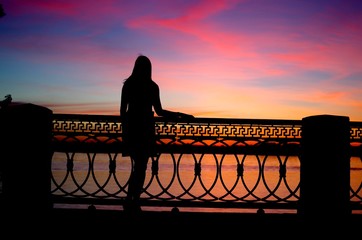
x=137, y=179
x=140, y=168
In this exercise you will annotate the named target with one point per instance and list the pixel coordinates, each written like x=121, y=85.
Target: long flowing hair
x=142, y=69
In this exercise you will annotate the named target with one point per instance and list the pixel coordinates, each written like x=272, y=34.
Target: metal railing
x=203, y=162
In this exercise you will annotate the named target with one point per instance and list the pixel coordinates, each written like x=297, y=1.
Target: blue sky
x=280, y=59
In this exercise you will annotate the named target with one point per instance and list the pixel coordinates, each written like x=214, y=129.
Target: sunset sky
x=264, y=59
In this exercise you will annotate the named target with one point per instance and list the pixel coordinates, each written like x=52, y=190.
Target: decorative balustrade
x=203, y=162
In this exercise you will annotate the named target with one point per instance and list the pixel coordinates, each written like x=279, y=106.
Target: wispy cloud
x=260, y=59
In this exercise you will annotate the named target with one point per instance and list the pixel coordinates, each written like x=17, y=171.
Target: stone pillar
x=325, y=167
x=25, y=158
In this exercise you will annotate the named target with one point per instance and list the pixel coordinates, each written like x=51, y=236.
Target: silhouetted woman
x=139, y=99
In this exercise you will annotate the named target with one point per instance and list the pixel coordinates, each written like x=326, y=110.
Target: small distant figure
x=260, y=211
x=92, y=208
x=175, y=210
x=139, y=97
x=4, y=103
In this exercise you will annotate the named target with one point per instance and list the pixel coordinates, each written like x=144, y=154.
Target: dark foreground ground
x=112, y=224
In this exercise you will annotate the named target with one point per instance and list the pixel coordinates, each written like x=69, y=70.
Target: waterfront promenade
x=167, y=224
x=165, y=218
x=27, y=191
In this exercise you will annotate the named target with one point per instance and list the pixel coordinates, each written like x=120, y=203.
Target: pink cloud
x=202, y=66
x=76, y=9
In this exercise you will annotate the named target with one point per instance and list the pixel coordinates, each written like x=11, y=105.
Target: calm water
x=186, y=174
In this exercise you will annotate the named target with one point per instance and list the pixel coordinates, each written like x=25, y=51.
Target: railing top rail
x=226, y=123
x=83, y=117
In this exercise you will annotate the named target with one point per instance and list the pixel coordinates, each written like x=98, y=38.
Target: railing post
x=25, y=158
x=325, y=168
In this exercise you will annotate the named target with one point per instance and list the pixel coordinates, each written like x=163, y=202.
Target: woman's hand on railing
x=184, y=116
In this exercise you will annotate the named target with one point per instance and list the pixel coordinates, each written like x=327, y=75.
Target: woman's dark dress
x=138, y=125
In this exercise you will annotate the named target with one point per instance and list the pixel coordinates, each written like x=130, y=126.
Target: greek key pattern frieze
x=248, y=150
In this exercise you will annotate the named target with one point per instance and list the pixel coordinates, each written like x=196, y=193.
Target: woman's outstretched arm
x=166, y=113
